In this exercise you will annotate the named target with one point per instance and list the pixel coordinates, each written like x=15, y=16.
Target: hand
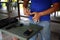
x=26, y=11
x=36, y=16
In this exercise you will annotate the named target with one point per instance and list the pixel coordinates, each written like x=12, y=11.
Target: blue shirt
x=41, y=5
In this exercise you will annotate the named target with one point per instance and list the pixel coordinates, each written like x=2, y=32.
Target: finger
x=33, y=17
x=38, y=21
x=35, y=20
x=32, y=13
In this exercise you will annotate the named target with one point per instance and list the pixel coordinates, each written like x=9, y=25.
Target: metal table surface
x=18, y=31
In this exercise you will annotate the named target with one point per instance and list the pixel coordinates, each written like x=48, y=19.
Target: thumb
x=33, y=17
x=32, y=13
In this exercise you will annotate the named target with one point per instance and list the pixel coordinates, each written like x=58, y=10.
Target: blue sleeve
x=54, y=1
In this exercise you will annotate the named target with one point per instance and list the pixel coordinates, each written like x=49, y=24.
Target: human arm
x=25, y=7
x=46, y=12
x=50, y=10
